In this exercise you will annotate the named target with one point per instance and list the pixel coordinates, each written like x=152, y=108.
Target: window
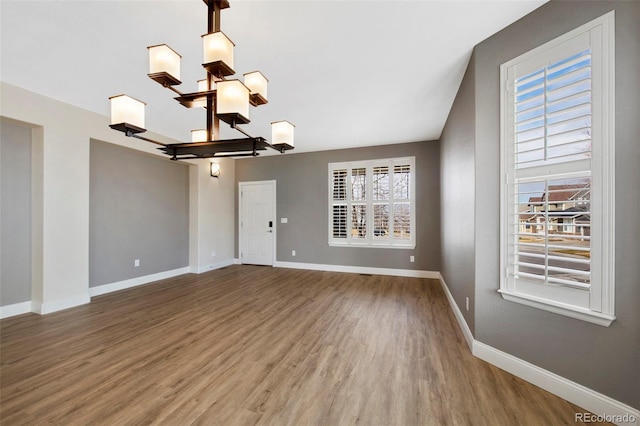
x=557, y=200
x=371, y=203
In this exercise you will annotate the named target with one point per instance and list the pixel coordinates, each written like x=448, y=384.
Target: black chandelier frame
x=211, y=148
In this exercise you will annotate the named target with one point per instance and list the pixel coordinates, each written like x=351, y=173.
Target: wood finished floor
x=256, y=345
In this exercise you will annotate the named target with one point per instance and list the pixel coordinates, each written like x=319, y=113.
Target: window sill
x=598, y=318
x=366, y=245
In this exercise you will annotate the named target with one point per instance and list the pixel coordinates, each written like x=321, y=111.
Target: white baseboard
x=211, y=267
x=49, y=307
x=15, y=309
x=458, y=313
x=59, y=305
x=358, y=269
x=575, y=393
x=608, y=408
x=134, y=282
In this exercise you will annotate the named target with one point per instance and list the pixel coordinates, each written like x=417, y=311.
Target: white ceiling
x=346, y=73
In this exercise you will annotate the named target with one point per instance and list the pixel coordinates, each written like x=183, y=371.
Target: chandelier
x=224, y=99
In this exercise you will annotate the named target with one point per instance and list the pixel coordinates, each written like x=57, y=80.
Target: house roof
x=528, y=216
x=580, y=214
x=563, y=193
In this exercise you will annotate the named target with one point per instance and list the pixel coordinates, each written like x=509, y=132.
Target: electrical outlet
x=412, y=258
x=284, y=220
x=136, y=263
x=213, y=253
x=293, y=252
x=467, y=299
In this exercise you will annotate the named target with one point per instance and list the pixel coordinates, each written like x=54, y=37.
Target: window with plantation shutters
x=557, y=162
x=339, y=203
x=372, y=203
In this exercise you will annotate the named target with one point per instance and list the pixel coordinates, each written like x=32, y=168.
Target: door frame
x=274, y=238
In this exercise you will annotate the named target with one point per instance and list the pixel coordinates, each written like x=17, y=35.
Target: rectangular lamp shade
x=164, y=60
x=218, y=49
x=127, y=110
x=282, y=133
x=233, y=99
x=199, y=135
x=203, y=86
x=215, y=169
x=257, y=84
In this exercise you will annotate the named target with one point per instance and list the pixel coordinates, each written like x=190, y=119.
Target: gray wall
x=139, y=209
x=603, y=359
x=457, y=195
x=302, y=197
x=15, y=214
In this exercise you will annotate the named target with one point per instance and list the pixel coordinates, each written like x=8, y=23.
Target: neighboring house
x=567, y=209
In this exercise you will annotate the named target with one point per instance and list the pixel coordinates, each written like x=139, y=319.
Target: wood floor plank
x=248, y=345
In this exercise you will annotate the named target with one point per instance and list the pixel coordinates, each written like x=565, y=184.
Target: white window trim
x=370, y=242
x=602, y=167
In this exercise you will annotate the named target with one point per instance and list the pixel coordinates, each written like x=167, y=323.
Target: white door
x=257, y=222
